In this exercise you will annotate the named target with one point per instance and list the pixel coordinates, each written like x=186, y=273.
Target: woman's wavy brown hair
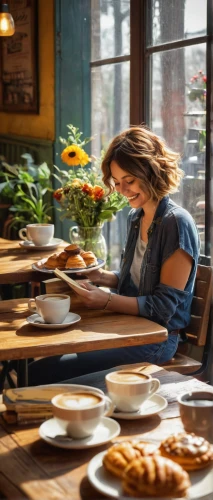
x=145, y=156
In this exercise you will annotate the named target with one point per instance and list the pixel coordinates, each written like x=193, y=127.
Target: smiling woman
x=158, y=267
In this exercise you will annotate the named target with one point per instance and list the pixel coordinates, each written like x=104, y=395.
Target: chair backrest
x=196, y=331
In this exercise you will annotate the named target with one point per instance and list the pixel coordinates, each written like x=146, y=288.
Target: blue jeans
x=60, y=368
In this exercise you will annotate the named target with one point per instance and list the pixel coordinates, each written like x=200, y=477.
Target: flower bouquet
x=82, y=196
x=197, y=88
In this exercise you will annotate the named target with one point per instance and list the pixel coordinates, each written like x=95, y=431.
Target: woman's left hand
x=95, y=298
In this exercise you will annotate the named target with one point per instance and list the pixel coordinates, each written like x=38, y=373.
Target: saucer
x=107, y=484
x=29, y=245
x=38, y=321
x=50, y=432
x=151, y=406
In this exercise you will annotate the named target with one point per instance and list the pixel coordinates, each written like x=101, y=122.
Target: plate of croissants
x=180, y=467
x=71, y=259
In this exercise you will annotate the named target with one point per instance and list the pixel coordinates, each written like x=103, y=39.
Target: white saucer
x=106, y=483
x=85, y=270
x=29, y=245
x=151, y=406
x=36, y=320
x=50, y=432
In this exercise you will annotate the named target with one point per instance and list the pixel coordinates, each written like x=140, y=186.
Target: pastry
x=120, y=455
x=89, y=258
x=75, y=261
x=52, y=261
x=62, y=259
x=190, y=451
x=155, y=476
x=72, y=249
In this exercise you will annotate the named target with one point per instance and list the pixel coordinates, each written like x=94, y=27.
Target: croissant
x=120, y=455
x=89, y=258
x=52, y=261
x=155, y=476
x=75, y=262
x=62, y=259
x=190, y=451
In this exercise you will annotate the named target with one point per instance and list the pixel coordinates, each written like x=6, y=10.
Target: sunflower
x=74, y=155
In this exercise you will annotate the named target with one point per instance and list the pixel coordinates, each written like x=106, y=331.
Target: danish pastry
x=75, y=261
x=89, y=258
x=72, y=249
x=120, y=455
x=155, y=476
x=190, y=451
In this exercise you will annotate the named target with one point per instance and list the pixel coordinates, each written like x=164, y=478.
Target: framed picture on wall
x=19, y=62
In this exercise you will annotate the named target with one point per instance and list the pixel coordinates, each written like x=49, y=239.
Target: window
x=166, y=65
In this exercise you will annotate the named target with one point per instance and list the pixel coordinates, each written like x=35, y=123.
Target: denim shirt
x=172, y=228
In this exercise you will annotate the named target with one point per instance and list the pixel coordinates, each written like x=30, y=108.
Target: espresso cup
x=80, y=412
x=53, y=308
x=39, y=234
x=128, y=389
x=196, y=412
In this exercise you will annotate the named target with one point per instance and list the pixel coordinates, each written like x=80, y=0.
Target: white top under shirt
x=137, y=260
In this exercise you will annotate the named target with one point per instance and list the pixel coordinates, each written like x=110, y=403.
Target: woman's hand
x=101, y=277
x=94, y=276
x=93, y=297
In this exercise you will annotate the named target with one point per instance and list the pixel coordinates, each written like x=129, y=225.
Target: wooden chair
x=198, y=332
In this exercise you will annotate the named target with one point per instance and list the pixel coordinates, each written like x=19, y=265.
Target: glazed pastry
x=62, y=259
x=72, y=249
x=89, y=258
x=75, y=261
x=155, y=476
x=120, y=455
x=52, y=261
x=190, y=451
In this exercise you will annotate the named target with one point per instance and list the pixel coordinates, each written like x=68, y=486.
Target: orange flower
x=97, y=193
x=58, y=194
x=76, y=183
x=87, y=188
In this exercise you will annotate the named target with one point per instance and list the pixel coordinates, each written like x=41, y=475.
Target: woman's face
x=129, y=186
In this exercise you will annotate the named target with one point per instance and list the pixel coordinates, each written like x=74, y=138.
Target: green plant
x=25, y=188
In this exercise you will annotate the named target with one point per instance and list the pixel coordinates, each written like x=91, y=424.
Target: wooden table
x=31, y=468
x=16, y=262
x=96, y=330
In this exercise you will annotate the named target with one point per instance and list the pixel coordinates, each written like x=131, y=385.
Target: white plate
x=29, y=245
x=36, y=320
x=153, y=405
x=52, y=434
x=106, y=483
x=85, y=270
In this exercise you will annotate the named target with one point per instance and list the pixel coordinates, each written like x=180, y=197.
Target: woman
x=158, y=267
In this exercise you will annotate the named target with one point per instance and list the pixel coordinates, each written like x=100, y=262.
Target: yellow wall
x=41, y=125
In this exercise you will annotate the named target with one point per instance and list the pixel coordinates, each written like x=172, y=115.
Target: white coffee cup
x=39, y=234
x=80, y=412
x=128, y=389
x=53, y=308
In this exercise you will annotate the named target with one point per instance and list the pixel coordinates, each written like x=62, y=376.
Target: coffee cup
x=39, y=234
x=53, y=308
x=80, y=412
x=196, y=412
x=128, y=389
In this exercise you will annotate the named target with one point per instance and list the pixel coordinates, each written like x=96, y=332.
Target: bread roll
x=120, y=455
x=89, y=258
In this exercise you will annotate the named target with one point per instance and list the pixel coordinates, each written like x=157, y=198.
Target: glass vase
x=90, y=239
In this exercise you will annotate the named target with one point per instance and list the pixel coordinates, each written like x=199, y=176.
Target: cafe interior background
x=103, y=65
